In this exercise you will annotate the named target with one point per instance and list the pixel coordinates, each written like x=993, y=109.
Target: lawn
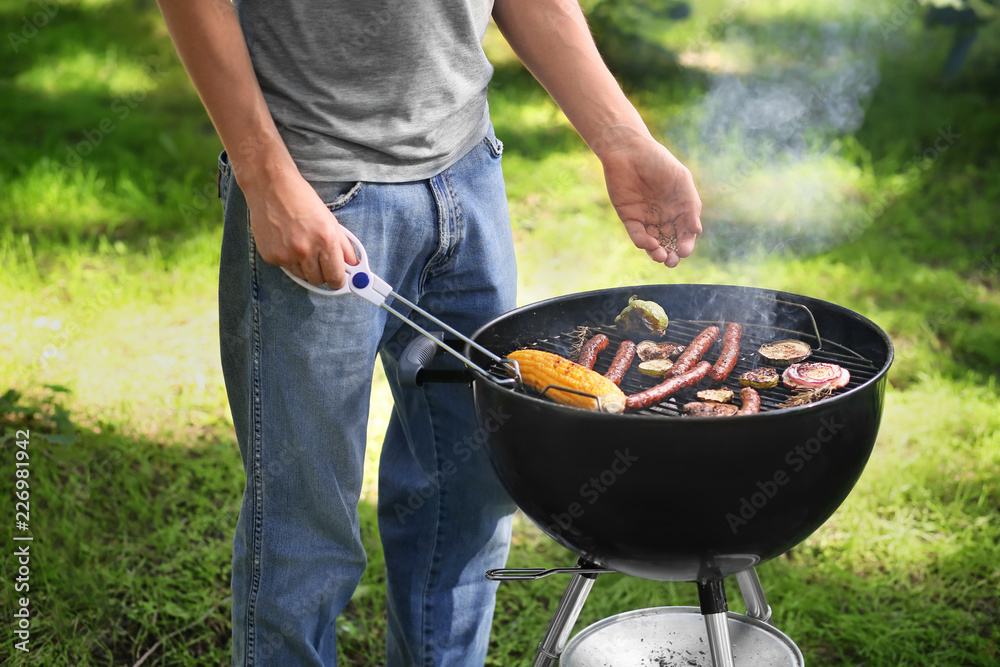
x=835, y=159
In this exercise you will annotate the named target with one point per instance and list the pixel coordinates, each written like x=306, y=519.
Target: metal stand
x=568, y=611
x=753, y=595
x=711, y=595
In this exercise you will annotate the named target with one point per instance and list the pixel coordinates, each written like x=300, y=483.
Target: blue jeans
x=298, y=370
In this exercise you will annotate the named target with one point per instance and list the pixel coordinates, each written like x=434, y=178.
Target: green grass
x=108, y=322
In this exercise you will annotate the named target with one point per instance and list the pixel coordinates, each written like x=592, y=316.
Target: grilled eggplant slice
x=762, y=377
x=655, y=367
x=721, y=395
x=698, y=409
x=643, y=316
x=649, y=349
x=784, y=352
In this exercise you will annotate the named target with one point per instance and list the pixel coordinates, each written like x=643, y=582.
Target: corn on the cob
x=540, y=369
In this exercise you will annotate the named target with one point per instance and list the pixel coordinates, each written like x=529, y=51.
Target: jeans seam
x=451, y=224
x=433, y=570
x=255, y=450
x=457, y=215
x=437, y=258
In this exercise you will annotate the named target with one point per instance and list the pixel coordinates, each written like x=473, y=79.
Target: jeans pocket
x=494, y=144
x=336, y=194
x=225, y=171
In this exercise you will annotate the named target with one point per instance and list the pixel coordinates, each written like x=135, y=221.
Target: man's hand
x=652, y=192
x=294, y=229
x=655, y=197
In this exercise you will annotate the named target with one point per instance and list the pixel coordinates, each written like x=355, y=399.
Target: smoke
x=766, y=142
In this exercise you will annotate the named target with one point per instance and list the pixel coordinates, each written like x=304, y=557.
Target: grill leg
x=753, y=595
x=712, y=596
x=561, y=625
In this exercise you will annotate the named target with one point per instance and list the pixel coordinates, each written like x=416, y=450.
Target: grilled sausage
x=622, y=361
x=730, y=353
x=590, y=350
x=654, y=395
x=751, y=401
x=695, y=351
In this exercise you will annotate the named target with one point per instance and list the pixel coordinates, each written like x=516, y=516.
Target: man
x=374, y=116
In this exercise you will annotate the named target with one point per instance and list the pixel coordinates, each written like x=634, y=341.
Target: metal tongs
x=363, y=282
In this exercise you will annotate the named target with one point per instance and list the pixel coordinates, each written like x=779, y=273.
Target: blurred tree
x=623, y=29
x=966, y=20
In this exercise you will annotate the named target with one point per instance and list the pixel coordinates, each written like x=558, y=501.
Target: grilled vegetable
x=784, y=352
x=655, y=367
x=814, y=376
x=697, y=409
x=642, y=316
x=763, y=377
x=721, y=395
x=648, y=349
x=541, y=369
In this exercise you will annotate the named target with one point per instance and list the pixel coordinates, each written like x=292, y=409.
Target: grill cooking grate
x=682, y=332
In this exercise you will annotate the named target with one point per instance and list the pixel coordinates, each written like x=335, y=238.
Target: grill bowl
x=680, y=498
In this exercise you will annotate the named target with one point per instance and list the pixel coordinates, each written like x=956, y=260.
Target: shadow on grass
x=131, y=544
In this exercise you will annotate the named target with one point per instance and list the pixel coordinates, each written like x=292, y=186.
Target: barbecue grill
x=690, y=499
x=659, y=495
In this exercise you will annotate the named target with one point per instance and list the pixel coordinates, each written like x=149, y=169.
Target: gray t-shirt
x=385, y=91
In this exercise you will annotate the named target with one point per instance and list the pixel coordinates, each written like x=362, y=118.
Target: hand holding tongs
x=367, y=285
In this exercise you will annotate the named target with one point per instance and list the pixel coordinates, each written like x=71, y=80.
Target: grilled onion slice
x=812, y=376
x=784, y=352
